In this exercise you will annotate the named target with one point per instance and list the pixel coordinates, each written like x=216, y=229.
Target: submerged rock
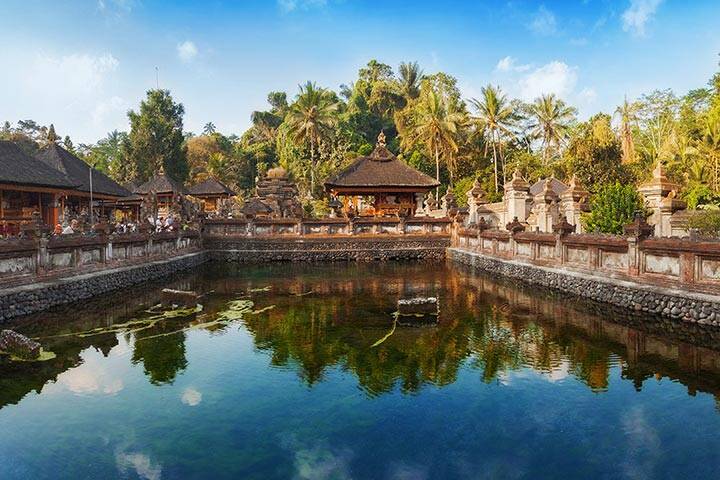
x=181, y=298
x=19, y=345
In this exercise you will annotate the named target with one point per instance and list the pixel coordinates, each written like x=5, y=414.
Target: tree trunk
x=437, y=171
x=495, y=162
x=312, y=167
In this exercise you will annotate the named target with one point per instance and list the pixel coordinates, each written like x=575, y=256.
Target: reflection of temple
x=330, y=316
x=394, y=186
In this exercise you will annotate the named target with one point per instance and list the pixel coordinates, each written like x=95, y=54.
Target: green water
x=277, y=377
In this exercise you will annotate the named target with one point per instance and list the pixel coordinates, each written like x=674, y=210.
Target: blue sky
x=82, y=64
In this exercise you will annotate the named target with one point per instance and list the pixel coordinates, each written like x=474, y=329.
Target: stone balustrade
x=25, y=260
x=668, y=262
x=359, y=226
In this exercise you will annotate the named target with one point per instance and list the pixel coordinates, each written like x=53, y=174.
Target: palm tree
x=310, y=119
x=710, y=145
x=495, y=119
x=209, y=128
x=436, y=125
x=628, y=116
x=409, y=79
x=551, y=119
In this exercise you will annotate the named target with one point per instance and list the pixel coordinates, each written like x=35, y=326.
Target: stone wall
x=666, y=302
x=39, y=296
x=327, y=248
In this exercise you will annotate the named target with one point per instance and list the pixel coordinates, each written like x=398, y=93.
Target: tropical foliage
x=429, y=125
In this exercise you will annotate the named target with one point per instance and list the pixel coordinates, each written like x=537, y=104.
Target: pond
x=327, y=371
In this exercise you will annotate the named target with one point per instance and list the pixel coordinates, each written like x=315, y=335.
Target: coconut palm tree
x=495, y=118
x=311, y=118
x=435, y=124
x=551, y=119
x=409, y=79
x=627, y=113
x=710, y=146
x=209, y=128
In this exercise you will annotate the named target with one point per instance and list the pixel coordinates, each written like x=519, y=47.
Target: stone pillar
x=516, y=197
x=545, y=208
x=561, y=230
x=635, y=233
x=574, y=202
x=476, y=198
x=660, y=195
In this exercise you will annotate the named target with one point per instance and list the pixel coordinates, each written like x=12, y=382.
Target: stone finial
x=547, y=195
x=476, y=194
x=563, y=228
x=517, y=183
x=482, y=224
x=639, y=228
x=575, y=191
x=381, y=139
x=515, y=226
x=449, y=205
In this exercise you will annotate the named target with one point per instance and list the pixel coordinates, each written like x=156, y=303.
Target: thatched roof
x=255, y=206
x=161, y=183
x=19, y=168
x=382, y=170
x=210, y=187
x=78, y=171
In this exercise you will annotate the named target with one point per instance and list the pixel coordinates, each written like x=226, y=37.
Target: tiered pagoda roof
x=380, y=171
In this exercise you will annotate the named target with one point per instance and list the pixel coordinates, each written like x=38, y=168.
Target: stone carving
x=279, y=193
x=639, y=228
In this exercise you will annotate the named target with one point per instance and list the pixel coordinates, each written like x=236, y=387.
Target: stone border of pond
x=661, y=301
x=39, y=296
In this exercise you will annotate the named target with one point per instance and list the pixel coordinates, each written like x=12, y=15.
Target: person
x=58, y=229
x=72, y=228
x=159, y=224
x=169, y=224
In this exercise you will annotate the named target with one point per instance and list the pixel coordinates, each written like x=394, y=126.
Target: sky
x=82, y=64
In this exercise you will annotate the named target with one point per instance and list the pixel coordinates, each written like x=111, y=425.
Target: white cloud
x=187, y=51
x=509, y=64
x=91, y=377
x=143, y=466
x=287, y=6
x=191, y=397
x=75, y=74
x=587, y=96
x=111, y=107
x=554, y=77
x=544, y=22
x=638, y=14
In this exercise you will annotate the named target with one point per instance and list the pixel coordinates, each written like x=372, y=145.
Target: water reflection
x=325, y=317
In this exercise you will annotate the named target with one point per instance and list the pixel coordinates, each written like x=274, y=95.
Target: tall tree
x=209, y=128
x=156, y=138
x=550, y=121
x=435, y=124
x=495, y=118
x=311, y=118
x=409, y=77
x=627, y=114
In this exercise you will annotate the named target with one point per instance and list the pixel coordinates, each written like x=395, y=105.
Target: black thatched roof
x=255, y=206
x=78, y=171
x=380, y=169
x=19, y=168
x=555, y=185
x=211, y=186
x=161, y=183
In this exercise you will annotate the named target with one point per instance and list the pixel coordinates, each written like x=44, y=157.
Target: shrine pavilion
x=211, y=192
x=379, y=184
x=165, y=188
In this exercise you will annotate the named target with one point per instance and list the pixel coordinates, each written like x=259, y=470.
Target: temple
x=212, y=192
x=394, y=187
x=164, y=189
